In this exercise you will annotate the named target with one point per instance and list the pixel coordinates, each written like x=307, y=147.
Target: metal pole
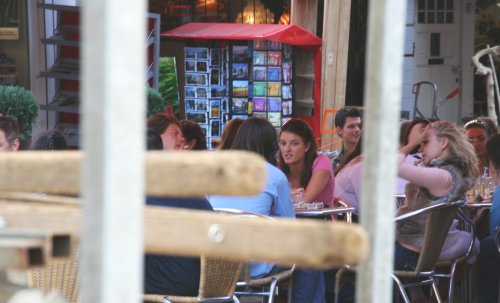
x=113, y=102
x=380, y=136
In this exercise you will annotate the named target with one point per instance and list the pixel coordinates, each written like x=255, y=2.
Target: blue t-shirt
x=274, y=201
x=173, y=275
x=495, y=211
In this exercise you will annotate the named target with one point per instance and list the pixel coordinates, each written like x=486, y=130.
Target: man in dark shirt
x=173, y=275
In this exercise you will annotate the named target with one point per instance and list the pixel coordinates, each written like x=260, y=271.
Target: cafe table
x=324, y=213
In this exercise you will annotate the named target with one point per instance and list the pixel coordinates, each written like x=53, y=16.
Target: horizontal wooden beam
x=24, y=248
x=306, y=243
x=180, y=174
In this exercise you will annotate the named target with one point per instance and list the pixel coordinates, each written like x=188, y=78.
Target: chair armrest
x=427, y=210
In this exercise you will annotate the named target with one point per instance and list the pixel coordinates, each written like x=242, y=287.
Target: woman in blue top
x=258, y=135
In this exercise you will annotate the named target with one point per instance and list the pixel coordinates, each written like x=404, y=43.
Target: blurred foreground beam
x=307, y=243
x=185, y=174
x=24, y=248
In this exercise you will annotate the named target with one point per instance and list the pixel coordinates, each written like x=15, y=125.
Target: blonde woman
x=448, y=167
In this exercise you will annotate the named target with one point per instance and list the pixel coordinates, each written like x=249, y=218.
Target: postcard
x=240, y=88
x=215, y=56
x=259, y=88
x=240, y=71
x=189, y=53
x=259, y=104
x=287, y=51
x=286, y=108
x=274, y=45
x=259, y=73
x=274, y=104
x=202, y=53
x=274, y=89
x=286, y=91
x=274, y=119
x=214, y=109
x=260, y=44
x=200, y=105
x=287, y=72
x=224, y=105
x=274, y=58
x=240, y=53
x=262, y=115
x=202, y=92
x=190, y=91
x=190, y=65
x=259, y=58
x=273, y=73
x=218, y=91
x=215, y=128
x=196, y=79
x=189, y=105
x=244, y=117
x=225, y=118
x=197, y=117
x=201, y=66
x=214, y=143
x=214, y=76
x=240, y=105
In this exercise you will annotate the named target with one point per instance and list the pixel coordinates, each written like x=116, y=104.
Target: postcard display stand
x=238, y=81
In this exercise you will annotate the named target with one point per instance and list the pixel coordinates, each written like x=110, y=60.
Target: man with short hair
x=9, y=134
x=348, y=126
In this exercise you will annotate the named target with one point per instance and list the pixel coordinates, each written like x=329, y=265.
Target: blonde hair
x=458, y=145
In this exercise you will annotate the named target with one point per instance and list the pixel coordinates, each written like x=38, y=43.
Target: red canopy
x=290, y=34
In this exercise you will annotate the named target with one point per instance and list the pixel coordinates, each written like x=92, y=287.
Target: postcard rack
x=240, y=80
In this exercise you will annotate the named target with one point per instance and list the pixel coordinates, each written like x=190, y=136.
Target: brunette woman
x=299, y=160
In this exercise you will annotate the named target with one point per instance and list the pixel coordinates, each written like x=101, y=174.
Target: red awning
x=290, y=34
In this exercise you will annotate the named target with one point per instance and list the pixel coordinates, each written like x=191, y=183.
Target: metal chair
x=446, y=269
x=263, y=287
x=347, y=217
x=438, y=222
x=217, y=283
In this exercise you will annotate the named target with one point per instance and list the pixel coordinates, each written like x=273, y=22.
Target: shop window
x=175, y=13
x=435, y=12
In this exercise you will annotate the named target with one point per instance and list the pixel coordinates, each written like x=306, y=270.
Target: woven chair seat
x=217, y=281
x=62, y=276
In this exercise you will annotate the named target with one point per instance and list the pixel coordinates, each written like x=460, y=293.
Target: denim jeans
x=405, y=259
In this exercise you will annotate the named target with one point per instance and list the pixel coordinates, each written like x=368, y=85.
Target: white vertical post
x=113, y=102
x=382, y=100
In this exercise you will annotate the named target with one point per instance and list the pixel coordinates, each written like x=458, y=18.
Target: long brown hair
x=304, y=131
x=347, y=158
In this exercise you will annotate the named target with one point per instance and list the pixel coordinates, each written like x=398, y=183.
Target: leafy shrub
x=20, y=104
x=156, y=103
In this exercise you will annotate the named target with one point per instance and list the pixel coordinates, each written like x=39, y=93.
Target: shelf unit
x=62, y=73
x=304, y=83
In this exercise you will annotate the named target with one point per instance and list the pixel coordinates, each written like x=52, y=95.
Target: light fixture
x=255, y=13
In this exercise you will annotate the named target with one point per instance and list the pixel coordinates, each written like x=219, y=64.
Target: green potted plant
x=156, y=103
x=20, y=104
